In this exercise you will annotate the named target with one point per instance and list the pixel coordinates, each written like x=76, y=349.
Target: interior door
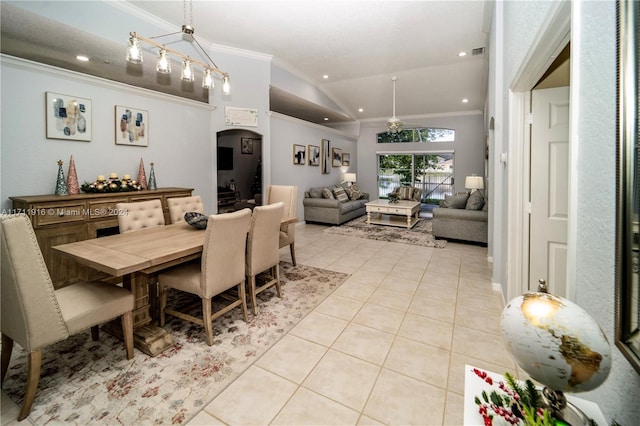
x=549, y=189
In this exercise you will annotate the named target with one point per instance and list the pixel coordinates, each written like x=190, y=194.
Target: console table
x=62, y=219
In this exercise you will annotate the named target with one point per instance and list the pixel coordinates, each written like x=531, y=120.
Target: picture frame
x=336, y=157
x=246, y=145
x=68, y=117
x=299, y=153
x=313, y=154
x=131, y=126
x=326, y=157
x=346, y=159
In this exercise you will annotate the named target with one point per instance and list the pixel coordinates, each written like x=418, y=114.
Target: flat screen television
x=225, y=158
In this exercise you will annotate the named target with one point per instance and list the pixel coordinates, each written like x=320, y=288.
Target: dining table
x=137, y=257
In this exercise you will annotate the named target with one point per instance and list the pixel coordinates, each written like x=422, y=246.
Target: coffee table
x=382, y=212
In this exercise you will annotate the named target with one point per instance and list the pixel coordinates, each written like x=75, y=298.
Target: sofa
x=462, y=216
x=321, y=205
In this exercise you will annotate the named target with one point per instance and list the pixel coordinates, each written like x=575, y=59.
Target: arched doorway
x=239, y=168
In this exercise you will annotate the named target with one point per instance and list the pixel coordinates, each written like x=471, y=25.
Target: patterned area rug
x=86, y=382
x=419, y=235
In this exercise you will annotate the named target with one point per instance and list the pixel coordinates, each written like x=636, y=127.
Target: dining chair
x=262, y=250
x=139, y=215
x=220, y=269
x=289, y=196
x=36, y=315
x=134, y=217
x=178, y=206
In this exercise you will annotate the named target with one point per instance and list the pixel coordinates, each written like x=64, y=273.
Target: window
x=426, y=134
x=431, y=172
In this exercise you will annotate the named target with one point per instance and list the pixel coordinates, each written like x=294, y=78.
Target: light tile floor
x=387, y=347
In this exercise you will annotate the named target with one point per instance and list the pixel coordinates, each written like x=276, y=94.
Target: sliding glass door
x=431, y=172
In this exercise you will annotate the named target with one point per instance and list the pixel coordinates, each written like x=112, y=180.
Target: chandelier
x=163, y=64
x=394, y=125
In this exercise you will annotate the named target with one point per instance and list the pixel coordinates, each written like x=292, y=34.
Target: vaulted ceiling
x=359, y=45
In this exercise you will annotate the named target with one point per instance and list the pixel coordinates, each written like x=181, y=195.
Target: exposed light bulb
x=226, y=87
x=163, y=66
x=187, y=71
x=207, y=79
x=134, y=52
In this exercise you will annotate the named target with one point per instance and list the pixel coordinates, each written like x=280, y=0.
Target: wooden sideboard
x=61, y=219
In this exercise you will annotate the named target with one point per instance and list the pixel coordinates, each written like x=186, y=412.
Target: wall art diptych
x=68, y=117
x=346, y=159
x=132, y=126
x=299, y=152
x=336, y=157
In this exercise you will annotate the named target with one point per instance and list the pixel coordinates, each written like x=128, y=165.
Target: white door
x=549, y=189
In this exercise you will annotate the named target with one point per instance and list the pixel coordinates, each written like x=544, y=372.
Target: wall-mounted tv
x=225, y=158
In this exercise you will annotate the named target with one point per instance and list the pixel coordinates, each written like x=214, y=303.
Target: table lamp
x=350, y=178
x=559, y=345
x=474, y=183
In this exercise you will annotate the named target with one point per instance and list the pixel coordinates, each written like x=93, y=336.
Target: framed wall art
x=299, y=153
x=246, y=145
x=68, y=117
x=346, y=159
x=336, y=157
x=313, y=154
x=326, y=157
x=132, y=126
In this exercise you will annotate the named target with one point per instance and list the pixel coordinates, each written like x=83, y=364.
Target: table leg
x=409, y=221
x=147, y=336
x=368, y=218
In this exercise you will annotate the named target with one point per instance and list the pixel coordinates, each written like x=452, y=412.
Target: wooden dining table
x=137, y=257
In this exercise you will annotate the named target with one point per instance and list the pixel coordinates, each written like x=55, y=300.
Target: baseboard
x=497, y=287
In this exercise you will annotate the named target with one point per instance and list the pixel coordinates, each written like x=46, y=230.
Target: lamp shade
x=350, y=177
x=474, y=182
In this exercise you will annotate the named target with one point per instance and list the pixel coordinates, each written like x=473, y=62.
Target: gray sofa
x=330, y=211
x=458, y=222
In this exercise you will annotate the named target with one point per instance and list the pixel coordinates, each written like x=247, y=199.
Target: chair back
x=223, y=254
x=263, y=239
x=30, y=312
x=288, y=195
x=178, y=206
x=139, y=215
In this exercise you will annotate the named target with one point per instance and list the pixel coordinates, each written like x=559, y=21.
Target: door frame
x=550, y=41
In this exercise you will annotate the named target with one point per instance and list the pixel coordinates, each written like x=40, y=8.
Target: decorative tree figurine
x=152, y=179
x=72, y=178
x=61, y=185
x=142, y=176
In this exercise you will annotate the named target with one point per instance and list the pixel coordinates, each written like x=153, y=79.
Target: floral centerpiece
x=113, y=184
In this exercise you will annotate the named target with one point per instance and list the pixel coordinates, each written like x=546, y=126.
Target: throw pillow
x=405, y=193
x=458, y=201
x=326, y=193
x=315, y=192
x=355, y=194
x=340, y=194
x=475, y=201
x=416, y=194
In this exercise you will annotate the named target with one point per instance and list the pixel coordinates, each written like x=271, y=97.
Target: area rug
x=419, y=235
x=86, y=382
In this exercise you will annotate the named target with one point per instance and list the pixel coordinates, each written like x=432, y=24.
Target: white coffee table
x=404, y=213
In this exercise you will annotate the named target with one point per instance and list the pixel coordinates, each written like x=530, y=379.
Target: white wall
x=515, y=29
x=468, y=147
x=593, y=58
x=287, y=131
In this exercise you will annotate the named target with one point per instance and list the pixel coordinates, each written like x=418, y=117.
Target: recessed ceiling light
x=465, y=100
x=325, y=76
x=461, y=54
x=82, y=58
x=360, y=109
x=326, y=119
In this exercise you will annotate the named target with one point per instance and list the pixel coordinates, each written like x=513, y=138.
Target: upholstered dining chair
x=139, y=215
x=220, y=269
x=289, y=196
x=262, y=250
x=36, y=315
x=178, y=206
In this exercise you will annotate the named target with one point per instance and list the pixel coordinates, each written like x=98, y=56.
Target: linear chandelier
x=163, y=64
x=394, y=125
